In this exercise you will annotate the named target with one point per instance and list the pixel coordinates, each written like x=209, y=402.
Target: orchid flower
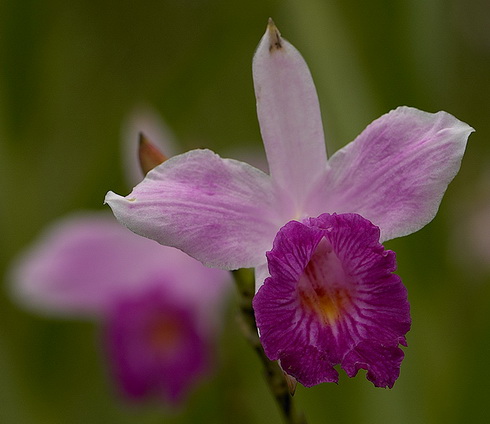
x=326, y=292
x=159, y=325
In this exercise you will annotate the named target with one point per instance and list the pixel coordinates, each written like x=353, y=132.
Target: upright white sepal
x=289, y=115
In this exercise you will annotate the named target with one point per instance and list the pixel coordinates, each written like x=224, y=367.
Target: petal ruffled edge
x=372, y=311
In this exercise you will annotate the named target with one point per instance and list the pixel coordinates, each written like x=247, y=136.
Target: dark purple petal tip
x=332, y=298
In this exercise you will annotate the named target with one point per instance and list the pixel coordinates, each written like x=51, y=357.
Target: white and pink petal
x=289, y=115
x=397, y=170
x=222, y=212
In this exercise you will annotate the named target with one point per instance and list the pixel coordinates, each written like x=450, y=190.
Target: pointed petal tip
x=451, y=120
x=149, y=155
x=141, y=138
x=111, y=198
x=108, y=197
x=273, y=36
x=291, y=382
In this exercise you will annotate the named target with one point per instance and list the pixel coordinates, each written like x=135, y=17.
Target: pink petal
x=220, y=211
x=81, y=263
x=289, y=115
x=397, y=170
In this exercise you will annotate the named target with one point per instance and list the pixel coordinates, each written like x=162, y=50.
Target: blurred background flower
x=71, y=71
x=470, y=241
x=161, y=311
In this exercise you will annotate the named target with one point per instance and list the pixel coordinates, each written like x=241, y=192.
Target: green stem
x=274, y=374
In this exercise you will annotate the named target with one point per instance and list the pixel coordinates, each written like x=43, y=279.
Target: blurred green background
x=71, y=71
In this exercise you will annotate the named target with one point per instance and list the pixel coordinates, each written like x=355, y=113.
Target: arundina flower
x=160, y=309
x=331, y=296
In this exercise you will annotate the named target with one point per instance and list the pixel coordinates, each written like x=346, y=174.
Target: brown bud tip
x=275, y=40
x=149, y=155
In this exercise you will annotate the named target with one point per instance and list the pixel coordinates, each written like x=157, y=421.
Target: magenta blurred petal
x=155, y=346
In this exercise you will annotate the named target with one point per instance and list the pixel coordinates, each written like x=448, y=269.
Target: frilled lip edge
x=332, y=298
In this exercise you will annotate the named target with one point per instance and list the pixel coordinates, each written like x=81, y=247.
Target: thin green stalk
x=274, y=375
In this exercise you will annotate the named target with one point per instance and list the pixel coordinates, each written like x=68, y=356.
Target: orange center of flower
x=323, y=287
x=165, y=335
